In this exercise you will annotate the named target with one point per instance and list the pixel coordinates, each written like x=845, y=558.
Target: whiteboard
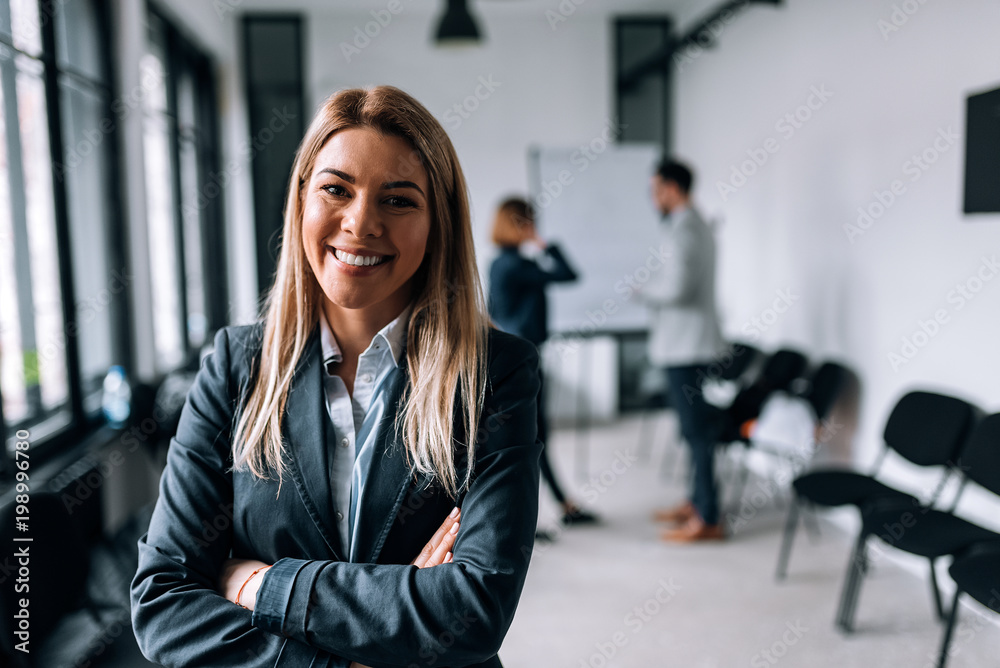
x=597, y=206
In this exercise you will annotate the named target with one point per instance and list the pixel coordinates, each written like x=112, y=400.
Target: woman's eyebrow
x=402, y=184
x=389, y=185
x=336, y=172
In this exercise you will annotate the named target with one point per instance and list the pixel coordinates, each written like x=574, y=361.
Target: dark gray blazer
x=381, y=612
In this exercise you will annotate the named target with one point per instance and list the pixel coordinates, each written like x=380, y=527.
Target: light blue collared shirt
x=355, y=418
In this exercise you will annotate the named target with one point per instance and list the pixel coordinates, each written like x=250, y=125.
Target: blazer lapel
x=387, y=480
x=305, y=442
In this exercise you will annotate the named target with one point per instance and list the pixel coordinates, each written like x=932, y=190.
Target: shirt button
x=367, y=378
x=340, y=516
x=344, y=442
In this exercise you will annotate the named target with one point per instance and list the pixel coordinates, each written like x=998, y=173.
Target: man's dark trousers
x=699, y=428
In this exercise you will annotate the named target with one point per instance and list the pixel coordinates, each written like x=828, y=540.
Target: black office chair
x=821, y=392
x=825, y=386
x=778, y=373
x=740, y=360
x=925, y=428
x=925, y=531
x=735, y=366
x=977, y=574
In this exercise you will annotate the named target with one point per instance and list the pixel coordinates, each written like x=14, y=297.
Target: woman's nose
x=362, y=217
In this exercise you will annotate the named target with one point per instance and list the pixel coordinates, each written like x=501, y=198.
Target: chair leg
x=936, y=592
x=949, y=631
x=741, y=476
x=791, y=525
x=856, y=570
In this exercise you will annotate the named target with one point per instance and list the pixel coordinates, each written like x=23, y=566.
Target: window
x=183, y=195
x=64, y=278
x=56, y=262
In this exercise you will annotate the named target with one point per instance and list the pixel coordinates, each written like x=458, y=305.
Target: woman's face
x=365, y=222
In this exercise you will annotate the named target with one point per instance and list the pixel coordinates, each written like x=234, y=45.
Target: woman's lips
x=360, y=258
x=360, y=262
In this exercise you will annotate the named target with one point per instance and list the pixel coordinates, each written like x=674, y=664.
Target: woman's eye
x=335, y=190
x=400, y=201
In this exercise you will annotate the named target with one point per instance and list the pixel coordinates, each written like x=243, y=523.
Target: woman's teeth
x=359, y=260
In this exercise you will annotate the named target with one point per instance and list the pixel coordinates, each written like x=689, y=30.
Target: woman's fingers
x=422, y=560
x=443, y=548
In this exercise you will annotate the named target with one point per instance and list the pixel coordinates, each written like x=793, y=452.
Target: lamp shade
x=457, y=26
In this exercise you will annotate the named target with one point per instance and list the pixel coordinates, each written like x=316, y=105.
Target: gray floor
x=615, y=596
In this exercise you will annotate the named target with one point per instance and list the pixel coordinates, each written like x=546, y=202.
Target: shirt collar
x=393, y=334
x=677, y=213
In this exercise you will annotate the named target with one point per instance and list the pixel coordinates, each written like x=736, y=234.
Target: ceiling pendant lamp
x=457, y=27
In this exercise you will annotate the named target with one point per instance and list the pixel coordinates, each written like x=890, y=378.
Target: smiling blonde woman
x=376, y=399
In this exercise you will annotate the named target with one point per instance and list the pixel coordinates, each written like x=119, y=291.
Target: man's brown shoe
x=693, y=531
x=677, y=515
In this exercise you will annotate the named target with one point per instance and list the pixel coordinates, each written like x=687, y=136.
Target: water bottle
x=116, y=402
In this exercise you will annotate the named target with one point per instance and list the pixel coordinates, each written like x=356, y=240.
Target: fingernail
x=454, y=512
x=454, y=528
x=447, y=557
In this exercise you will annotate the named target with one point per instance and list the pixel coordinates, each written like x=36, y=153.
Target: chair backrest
x=977, y=573
x=782, y=368
x=979, y=460
x=825, y=385
x=929, y=429
x=779, y=371
x=743, y=356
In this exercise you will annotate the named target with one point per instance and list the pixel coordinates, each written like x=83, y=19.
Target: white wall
x=783, y=229
x=553, y=88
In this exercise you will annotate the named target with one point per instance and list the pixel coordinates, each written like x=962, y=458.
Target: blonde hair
x=446, y=336
x=514, y=219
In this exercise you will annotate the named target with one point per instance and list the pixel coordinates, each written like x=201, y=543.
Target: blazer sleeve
x=178, y=616
x=676, y=281
x=561, y=271
x=456, y=614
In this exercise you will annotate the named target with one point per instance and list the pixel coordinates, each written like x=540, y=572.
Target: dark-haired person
x=684, y=338
x=308, y=513
x=518, y=305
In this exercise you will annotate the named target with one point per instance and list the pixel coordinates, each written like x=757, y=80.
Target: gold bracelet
x=240, y=592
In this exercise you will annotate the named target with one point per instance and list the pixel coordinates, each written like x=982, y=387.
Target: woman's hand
x=438, y=550
x=236, y=572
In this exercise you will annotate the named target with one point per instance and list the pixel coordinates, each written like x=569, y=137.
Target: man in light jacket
x=684, y=338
